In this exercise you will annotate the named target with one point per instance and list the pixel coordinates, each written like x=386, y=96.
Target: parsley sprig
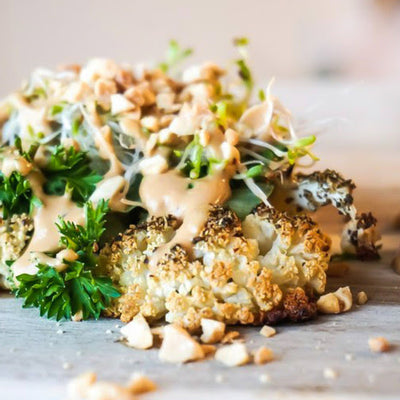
x=16, y=195
x=61, y=294
x=68, y=170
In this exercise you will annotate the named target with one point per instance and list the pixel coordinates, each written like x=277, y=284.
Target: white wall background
x=290, y=39
x=336, y=61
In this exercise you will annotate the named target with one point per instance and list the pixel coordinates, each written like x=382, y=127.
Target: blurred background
x=336, y=62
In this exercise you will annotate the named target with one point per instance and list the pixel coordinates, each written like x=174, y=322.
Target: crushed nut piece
x=378, y=344
x=263, y=355
x=79, y=386
x=330, y=373
x=230, y=337
x=178, y=346
x=233, y=355
x=140, y=383
x=264, y=378
x=208, y=349
x=138, y=333
x=120, y=104
x=108, y=391
x=336, y=302
x=267, y=331
x=362, y=298
x=213, y=331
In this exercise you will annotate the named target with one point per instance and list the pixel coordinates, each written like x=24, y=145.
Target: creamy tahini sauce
x=45, y=236
x=168, y=193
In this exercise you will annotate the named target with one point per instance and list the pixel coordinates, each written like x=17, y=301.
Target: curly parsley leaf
x=62, y=294
x=16, y=195
x=83, y=238
x=77, y=288
x=69, y=170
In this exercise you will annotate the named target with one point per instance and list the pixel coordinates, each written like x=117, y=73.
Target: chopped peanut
x=140, y=383
x=138, y=333
x=362, y=298
x=230, y=337
x=233, y=355
x=378, y=344
x=213, y=331
x=263, y=355
x=335, y=302
x=267, y=331
x=178, y=346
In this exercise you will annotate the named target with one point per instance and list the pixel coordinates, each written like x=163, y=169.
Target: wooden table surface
x=34, y=357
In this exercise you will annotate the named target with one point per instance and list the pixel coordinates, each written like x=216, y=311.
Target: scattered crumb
x=362, y=298
x=138, y=333
x=108, y=331
x=263, y=355
x=87, y=387
x=60, y=332
x=337, y=269
x=178, y=346
x=264, y=378
x=378, y=344
x=230, y=337
x=58, y=323
x=233, y=355
x=349, y=357
x=219, y=378
x=330, y=373
x=213, y=331
x=267, y=331
x=336, y=302
x=67, y=365
x=208, y=349
x=117, y=326
x=140, y=383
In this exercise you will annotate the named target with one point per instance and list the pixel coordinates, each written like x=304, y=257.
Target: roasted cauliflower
x=267, y=268
x=15, y=233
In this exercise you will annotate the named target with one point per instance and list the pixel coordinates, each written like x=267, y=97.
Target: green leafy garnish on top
x=16, y=195
x=76, y=287
x=175, y=55
x=68, y=170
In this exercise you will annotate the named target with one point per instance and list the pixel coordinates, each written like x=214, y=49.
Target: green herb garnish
x=77, y=288
x=175, y=55
x=68, y=170
x=16, y=195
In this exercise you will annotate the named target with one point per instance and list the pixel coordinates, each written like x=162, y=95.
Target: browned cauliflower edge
x=266, y=269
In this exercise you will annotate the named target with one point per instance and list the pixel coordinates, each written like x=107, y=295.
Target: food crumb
x=67, y=365
x=349, y=357
x=263, y=355
x=264, y=378
x=362, y=298
x=267, y=331
x=330, y=373
x=108, y=331
x=230, y=337
x=378, y=344
x=233, y=355
x=219, y=378
x=140, y=383
x=60, y=332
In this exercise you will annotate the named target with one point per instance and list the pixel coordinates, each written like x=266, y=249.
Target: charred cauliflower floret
x=236, y=274
x=14, y=235
x=360, y=237
x=321, y=188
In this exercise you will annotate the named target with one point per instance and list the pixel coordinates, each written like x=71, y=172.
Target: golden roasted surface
x=264, y=269
x=14, y=235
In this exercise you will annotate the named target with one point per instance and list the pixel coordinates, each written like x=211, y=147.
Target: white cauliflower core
x=253, y=274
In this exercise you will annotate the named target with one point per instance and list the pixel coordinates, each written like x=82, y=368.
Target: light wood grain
x=33, y=354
